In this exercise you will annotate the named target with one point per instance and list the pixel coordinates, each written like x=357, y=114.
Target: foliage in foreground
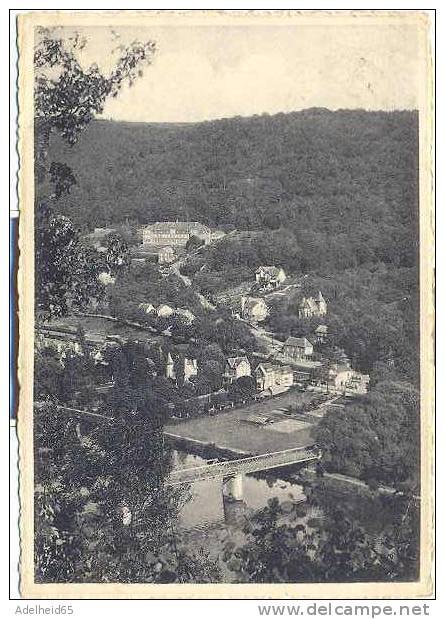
x=286, y=543
x=376, y=438
x=102, y=513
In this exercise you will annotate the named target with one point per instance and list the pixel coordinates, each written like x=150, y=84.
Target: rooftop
x=234, y=362
x=184, y=227
x=321, y=329
x=270, y=270
x=301, y=342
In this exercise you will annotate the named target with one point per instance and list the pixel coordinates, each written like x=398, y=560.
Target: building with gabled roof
x=174, y=233
x=270, y=376
x=148, y=308
x=321, y=334
x=310, y=306
x=236, y=367
x=298, y=348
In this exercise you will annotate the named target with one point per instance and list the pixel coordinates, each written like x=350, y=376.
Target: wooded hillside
x=330, y=194
x=348, y=175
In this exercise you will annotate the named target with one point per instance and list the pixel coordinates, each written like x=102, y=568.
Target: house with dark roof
x=321, y=334
x=298, y=348
x=235, y=368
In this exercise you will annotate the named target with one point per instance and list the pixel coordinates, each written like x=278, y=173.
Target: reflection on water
x=211, y=505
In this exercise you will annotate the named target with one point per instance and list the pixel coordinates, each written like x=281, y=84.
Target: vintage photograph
x=227, y=291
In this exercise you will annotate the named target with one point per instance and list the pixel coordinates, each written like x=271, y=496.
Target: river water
x=209, y=507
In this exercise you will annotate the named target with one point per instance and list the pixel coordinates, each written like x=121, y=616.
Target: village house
x=189, y=367
x=310, y=306
x=269, y=277
x=298, y=348
x=166, y=255
x=235, y=368
x=339, y=377
x=273, y=378
x=321, y=334
x=254, y=309
x=359, y=383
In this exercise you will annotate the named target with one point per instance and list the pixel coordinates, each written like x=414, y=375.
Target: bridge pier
x=233, y=487
x=232, y=495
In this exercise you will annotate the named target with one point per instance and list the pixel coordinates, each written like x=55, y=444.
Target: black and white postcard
x=226, y=304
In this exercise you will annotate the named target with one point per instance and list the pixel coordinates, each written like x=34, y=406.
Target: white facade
x=174, y=233
x=237, y=367
x=190, y=368
x=270, y=376
x=254, y=309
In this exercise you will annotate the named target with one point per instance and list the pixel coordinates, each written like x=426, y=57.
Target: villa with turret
x=312, y=306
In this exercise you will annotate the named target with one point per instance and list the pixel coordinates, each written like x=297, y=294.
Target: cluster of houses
x=269, y=378
x=255, y=309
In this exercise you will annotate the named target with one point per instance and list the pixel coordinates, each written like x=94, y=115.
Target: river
x=209, y=508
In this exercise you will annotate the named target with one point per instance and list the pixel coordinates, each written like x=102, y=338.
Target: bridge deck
x=251, y=464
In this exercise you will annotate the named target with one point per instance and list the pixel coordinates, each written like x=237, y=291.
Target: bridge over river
x=251, y=464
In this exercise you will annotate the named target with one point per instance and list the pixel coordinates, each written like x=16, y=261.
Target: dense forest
x=346, y=174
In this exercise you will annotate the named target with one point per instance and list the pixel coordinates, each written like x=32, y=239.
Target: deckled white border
x=25, y=429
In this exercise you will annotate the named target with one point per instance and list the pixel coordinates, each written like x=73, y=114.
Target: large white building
x=175, y=233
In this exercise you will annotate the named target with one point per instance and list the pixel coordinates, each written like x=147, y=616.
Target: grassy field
x=234, y=429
